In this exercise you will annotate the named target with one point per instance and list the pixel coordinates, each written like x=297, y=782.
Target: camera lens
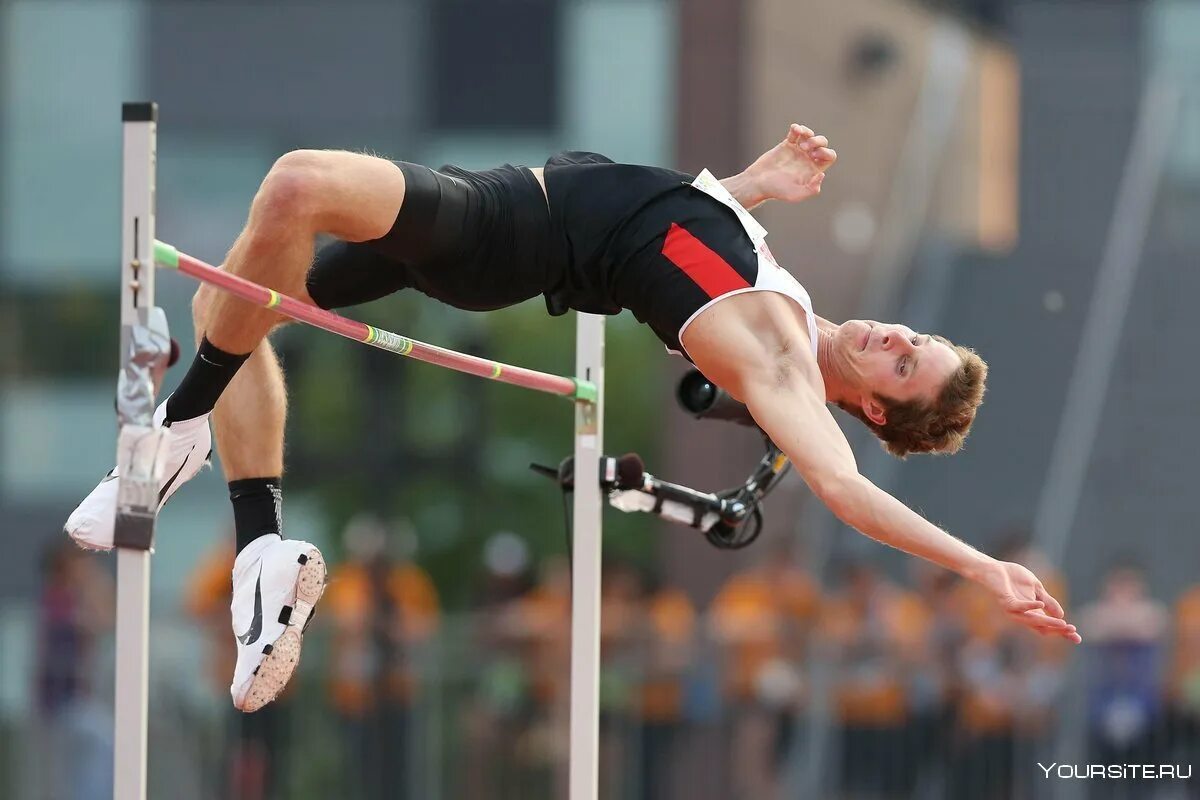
x=705, y=400
x=696, y=393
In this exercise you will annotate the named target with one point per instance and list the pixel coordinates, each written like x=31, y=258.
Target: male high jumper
x=678, y=251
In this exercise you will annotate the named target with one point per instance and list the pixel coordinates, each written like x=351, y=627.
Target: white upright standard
x=585, y=582
x=142, y=357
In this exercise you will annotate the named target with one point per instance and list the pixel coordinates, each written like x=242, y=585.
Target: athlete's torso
x=614, y=223
x=600, y=215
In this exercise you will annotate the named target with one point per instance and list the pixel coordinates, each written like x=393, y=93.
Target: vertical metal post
x=134, y=532
x=584, y=769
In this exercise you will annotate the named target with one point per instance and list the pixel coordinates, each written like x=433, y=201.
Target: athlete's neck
x=837, y=384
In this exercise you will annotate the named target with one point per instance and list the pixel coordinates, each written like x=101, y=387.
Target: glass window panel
x=67, y=67
x=492, y=64
x=619, y=70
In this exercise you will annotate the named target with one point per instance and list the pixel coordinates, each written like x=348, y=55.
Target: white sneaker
x=189, y=446
x=276, y=583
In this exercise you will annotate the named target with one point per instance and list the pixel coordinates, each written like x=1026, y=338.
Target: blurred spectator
x=518, y=724
x=75, y=607
x=544, y=616
x=620, y=618
x=873, y=627
x=253, y=766
x=497, y=717
x=932, y=670
x=1184, y=681
x=1009, y=679
x=668, y=629
x=382, y=608
x=1126, y=630
x=761, y=619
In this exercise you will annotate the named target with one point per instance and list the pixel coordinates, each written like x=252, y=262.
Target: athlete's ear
x=874, y=411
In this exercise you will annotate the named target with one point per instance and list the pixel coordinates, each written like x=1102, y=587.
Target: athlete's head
x=917, y=392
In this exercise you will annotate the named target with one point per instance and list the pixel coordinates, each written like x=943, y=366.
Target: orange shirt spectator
x=670, y=621
x=392, y=601
x=1185, y=663
x=206, y=598
x=759, y=616
x=873, y=624
x=541, y=621
x=1008, y=673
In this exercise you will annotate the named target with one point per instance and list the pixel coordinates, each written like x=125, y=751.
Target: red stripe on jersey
x=710, y=272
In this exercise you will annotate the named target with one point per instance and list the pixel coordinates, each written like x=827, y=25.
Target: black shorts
x=473, y=240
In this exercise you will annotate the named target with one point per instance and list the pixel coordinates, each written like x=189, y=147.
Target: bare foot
x=794, y=169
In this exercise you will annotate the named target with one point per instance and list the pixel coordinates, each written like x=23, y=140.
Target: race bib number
x=708, y=183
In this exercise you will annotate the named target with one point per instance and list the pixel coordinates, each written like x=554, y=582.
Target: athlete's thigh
x=353, y=196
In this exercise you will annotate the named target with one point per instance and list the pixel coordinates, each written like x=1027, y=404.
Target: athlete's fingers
x=796, y=133
x=1070, y=635
x=1038, y=619
x=815, y=181
x=817, y=142
x=1021, y=606
x=1053, y=607
x=825, y=154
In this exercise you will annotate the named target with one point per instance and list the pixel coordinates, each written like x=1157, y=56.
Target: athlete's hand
x=1025, y=600
x=794, y=169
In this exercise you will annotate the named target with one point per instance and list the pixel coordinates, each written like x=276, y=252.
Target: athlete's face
x=894, y=360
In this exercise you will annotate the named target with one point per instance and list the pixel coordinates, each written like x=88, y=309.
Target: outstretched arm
x=799, y=422
x=783, y=389
x=792, y=170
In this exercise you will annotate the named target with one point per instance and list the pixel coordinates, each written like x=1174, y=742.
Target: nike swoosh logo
x=109, y=477
x=167, y=486
x=251, y=635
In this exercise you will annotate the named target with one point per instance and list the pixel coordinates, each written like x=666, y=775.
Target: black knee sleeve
x=349, y=273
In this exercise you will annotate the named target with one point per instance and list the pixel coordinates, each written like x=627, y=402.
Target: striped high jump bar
x=575, y=388
x=144, y=340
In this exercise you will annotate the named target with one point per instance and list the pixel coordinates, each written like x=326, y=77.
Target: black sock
x=210, y=372
x=257, y=508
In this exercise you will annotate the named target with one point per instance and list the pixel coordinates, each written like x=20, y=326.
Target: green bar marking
x=585, y=391
x=165, y=255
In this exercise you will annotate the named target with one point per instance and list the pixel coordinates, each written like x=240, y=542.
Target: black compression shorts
x=473, y=240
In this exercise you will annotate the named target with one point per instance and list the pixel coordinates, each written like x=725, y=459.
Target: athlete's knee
x=201, y=302
x=293, y=189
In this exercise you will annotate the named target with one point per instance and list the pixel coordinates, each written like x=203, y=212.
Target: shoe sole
x=283, y=655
